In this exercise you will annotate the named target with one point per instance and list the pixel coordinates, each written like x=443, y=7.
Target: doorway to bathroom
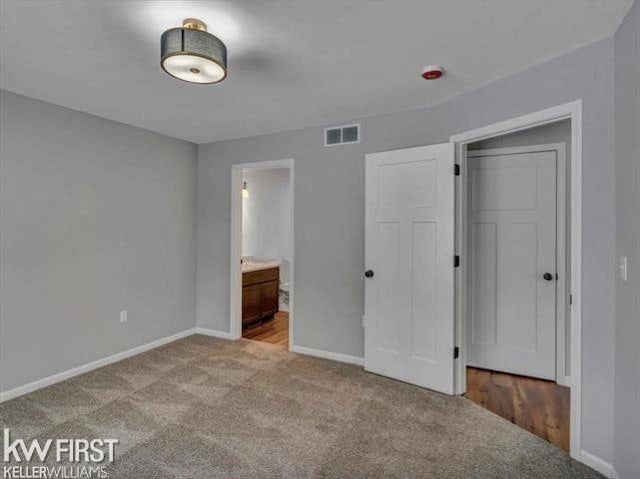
x=262, y=252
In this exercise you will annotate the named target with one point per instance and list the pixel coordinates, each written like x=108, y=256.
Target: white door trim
x=561, y=250
x=235, y=273
x=573, y=112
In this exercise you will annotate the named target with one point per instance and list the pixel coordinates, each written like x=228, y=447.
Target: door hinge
x=456, y=352
x=456, y=169
x=570, y=299
x=456, y=261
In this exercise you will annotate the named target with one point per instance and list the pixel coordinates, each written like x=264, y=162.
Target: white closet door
x=512, y=232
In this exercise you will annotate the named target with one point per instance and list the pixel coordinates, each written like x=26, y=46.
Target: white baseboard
x=564, y=381
x=318, y=353
x=594, y=462
x=56, y=378
x=213, y=332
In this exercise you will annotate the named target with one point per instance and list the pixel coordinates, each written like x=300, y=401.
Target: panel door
x=409, y=251
x=512, y=258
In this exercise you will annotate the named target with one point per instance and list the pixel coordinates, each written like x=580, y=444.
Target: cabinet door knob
x=368, y=273
x=548, y=276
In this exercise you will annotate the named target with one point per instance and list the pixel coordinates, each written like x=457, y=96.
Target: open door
x=409, y=257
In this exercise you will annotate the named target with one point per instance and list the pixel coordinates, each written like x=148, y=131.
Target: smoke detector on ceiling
x=432, y=72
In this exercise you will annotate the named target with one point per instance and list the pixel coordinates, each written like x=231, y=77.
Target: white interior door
x=512, y=265
x=409, y=249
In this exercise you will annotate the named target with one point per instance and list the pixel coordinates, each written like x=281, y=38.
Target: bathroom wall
x=266, y=215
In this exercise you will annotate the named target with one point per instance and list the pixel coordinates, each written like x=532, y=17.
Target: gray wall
x=558, y=132
x=329, y=213
x=96, y=217
x=627, y=146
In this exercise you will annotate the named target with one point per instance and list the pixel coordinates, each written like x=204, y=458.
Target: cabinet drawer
x=261, y=276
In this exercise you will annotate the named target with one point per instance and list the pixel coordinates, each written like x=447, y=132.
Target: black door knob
x=368, y=273
x=547, y=276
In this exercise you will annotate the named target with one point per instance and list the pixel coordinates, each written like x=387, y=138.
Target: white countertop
x=248, y=266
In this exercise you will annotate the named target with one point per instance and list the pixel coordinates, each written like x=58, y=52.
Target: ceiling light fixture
x=191, y=54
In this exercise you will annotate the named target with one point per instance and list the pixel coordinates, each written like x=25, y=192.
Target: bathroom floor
x=274, y=331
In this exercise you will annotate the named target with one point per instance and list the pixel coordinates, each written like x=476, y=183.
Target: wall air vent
x=342, y=135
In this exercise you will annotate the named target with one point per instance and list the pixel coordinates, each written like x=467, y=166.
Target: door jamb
x=235, y=273
x=573, y=112
x=562, y=298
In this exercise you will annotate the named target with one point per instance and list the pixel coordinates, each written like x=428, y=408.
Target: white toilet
x=284, y=286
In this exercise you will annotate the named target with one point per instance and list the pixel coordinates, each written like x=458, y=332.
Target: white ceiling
x=292, y=64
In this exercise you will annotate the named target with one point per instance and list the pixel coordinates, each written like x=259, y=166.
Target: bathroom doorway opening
x=261, y=262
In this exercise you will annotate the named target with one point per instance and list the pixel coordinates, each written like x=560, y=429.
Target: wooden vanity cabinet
x=260, y=291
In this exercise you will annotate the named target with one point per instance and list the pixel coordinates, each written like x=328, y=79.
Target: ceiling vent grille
x=342, y=135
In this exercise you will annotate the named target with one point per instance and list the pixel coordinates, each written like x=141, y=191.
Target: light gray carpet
x=203, y=407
